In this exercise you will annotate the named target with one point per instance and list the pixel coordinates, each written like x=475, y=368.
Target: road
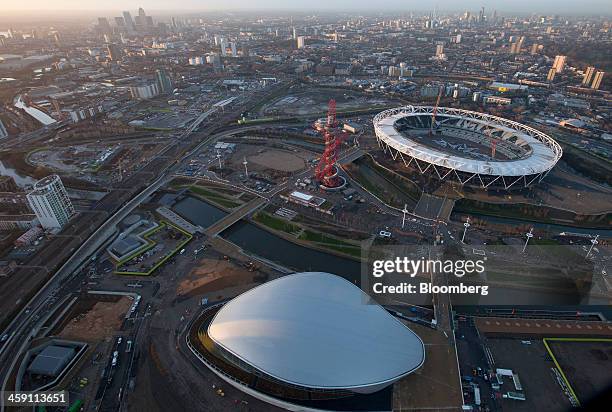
x=443, y=313
x=235, y=216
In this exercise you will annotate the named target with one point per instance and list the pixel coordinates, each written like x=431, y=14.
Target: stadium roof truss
x=541, y=152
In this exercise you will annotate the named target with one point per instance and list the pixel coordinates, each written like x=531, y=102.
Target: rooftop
x=317, y=330
x=51, y=360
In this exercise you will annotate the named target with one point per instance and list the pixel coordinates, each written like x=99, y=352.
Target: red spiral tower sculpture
x=326, y=171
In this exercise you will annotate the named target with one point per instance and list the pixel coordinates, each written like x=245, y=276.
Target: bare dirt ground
x=562, y=189
x=279, y=160
x=168, y=376
x=435, y=385
x=98, y=323
x=213, y=275
x=575, y=192
x=315, y=100
x=268, y=159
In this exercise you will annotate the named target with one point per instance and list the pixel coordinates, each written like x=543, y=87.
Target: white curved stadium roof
x=543, y=157
x=316, y=330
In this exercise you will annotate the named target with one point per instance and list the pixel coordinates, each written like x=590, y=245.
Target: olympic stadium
x=308, y=341
x=467, y=147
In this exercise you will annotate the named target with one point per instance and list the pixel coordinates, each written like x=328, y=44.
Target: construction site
x=303, y=100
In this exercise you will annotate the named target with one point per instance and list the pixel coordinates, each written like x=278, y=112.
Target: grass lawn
x=316, y=238
x=276, y=223
x=214, y=197
x=545, y=242
x=322, y=238
x=151, y=244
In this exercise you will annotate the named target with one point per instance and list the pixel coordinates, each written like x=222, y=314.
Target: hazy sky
x=596, y=7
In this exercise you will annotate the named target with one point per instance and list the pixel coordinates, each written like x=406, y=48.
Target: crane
x=435, y=110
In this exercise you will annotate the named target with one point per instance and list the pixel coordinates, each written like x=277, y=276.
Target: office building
x=300, y=42
x=394, y=71
x=163, y=81
x=214, y=59
x=597, y=80
x=515, y=47
x=49, y=201
x=196, y=61
x=144, y=91
x=3, y=132
x=588, y=76
x=559, y=63
x=129, y=23
x=223, y=44
x=103, y=25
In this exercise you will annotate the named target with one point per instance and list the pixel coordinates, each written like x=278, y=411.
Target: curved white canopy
x=317, y=330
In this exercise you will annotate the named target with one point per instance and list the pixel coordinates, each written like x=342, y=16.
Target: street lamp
x=219, y=159
x=529, y=236
x=404, y=215
x=465, y=225
x=593, y=243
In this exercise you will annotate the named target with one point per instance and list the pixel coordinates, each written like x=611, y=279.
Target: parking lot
x=533, y=365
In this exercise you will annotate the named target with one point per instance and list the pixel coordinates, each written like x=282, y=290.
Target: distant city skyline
x=589, y=7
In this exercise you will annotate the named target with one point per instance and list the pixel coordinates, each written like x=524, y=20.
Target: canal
x=260, y=242
x=198, y=212
x=22, y=181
